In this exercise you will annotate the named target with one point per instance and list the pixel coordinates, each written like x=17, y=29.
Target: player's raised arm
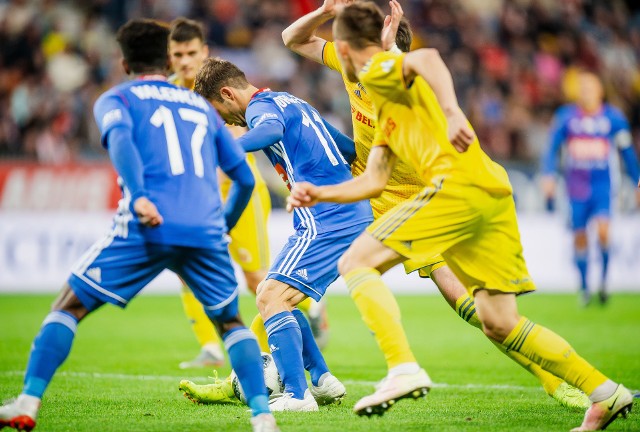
x=428, y=64
x=368, y=185
x=300, y=37
x=234, y=164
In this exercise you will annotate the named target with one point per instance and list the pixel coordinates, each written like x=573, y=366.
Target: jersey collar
x=153, y=77
x=260, y=90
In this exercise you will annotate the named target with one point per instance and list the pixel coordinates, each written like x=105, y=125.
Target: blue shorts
x=310, y=263
x=597, y=205
x=115, y=269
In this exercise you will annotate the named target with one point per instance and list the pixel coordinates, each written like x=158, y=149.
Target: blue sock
x=285, y=341
x=245, y=358
x=311, y=355
x=581, y=263
x=605, y=264
x=50, y=349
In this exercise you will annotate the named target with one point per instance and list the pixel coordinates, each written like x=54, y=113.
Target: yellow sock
x=465, y=307
x=200, y=322
x=554, y=355
x=305, y=305
x=257, y=327
x=380, y=312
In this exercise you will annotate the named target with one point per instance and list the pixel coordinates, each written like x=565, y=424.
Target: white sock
x=404, y=369
x=603, y=391
x=31, y=404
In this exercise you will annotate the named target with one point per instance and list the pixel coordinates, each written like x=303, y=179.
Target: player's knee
x=498, y=327
x=345, y=263
x=225, y=318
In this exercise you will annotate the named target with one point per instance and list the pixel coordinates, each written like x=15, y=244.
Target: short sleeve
x=383, y=74
x=261, y=111
x=330, y=57
x=111, y=111
x=230, y=154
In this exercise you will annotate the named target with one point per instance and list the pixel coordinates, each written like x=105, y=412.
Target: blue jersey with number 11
x=181, y=140
x=307, y=152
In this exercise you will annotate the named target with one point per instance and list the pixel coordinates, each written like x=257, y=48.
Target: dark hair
x=360, y=24
x=216, y=73
x=404, y=36
x=144, y=44
x=184, y=30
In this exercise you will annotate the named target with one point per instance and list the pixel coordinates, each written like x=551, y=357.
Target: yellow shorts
x=424, y=267
x=249, y=245
x=475, y=232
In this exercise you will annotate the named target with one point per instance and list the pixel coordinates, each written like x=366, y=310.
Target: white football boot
x=329, y=390
x=392, y=389
x=286, y=402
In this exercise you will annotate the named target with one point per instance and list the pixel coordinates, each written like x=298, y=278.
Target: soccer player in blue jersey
x=165, y=143
x=301, y=146
x=591, y=131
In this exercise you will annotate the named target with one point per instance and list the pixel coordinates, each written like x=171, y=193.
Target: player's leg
x=458, y=298
x=49, y=350
x=210, y=275
x=502, y=323
x=210, y=350
x=113, y=270
x=276, y=301
x=602, y=212
x=249, y=248
x=491, y=265
x=579, y=215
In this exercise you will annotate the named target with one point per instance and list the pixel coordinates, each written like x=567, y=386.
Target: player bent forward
x=466, y=213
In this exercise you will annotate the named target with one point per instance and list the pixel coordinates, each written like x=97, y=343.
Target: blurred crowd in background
x=513, y=63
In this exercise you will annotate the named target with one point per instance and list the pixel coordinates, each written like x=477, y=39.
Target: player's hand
x=548, y=185
x=303, y=194
x=331, y=7
x=461, y=136
x=147, y=213
x=391, y=23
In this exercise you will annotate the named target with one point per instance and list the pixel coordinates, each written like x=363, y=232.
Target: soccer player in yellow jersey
x=465, y=213
x=403, y=184
x=249, y=245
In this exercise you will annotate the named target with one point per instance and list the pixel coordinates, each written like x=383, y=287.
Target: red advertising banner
x=84, y=187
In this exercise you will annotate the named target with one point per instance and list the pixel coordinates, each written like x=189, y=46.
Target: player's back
x=412, y=123
x=404, y=182
x=307, y=152
x=174, y=131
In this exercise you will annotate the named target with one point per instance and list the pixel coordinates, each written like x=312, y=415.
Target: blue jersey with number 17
x=307, y=152
x=181, y=140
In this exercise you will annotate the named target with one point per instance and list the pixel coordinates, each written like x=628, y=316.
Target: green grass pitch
x=122, y=372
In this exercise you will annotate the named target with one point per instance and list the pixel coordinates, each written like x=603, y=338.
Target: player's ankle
x=404, y=369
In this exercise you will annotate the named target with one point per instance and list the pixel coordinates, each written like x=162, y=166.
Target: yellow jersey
x=414, y=127
x=404, y=181
x=225, y=184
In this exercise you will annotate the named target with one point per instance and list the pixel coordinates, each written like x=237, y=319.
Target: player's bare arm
x=368, y=185
x=428, y=64
x=300, y=37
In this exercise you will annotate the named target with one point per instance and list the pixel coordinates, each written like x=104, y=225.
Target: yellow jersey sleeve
x=330, y=57
x=384, y=76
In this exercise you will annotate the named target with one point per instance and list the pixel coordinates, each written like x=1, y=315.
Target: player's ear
x=205, y=49
x=342, y=48
x=227, y=94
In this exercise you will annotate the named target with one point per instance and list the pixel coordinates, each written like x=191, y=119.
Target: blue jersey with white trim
x=181, y=140
x=307, y=152
x=591, y=141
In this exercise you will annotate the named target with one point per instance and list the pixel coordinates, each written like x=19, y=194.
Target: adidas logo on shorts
x=95, y=273
x=302, y=273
